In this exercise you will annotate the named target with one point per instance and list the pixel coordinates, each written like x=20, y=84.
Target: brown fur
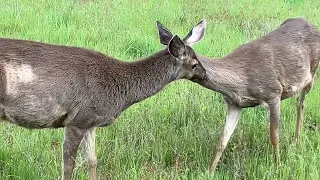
x=265, y=71
x=51, y=86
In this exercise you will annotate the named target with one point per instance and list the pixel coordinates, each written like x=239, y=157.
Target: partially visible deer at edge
x=263, y=72
x=51, y=86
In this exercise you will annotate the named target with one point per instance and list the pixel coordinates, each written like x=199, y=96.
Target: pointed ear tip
x=204, y=22
x=158, y=23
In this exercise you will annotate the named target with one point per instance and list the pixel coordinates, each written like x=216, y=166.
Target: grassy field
x=173, y=134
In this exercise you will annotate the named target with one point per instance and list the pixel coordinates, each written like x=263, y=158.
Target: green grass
x=173, y=134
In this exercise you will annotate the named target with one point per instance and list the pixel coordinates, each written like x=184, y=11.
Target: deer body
x=265, y=71
x=74, y=92
x=50, y=86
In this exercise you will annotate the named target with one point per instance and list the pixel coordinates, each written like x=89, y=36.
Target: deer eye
x=194, y=66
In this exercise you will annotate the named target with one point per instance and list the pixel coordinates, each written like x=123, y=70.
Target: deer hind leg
x=88, y=146
x=274, y=118
x=233, y=114
x=300, y=109
x=72, y=139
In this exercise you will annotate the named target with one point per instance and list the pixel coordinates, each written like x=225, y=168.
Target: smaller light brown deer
x=265, y=71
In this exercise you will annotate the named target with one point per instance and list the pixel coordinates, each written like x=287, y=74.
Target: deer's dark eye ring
x=194, y=66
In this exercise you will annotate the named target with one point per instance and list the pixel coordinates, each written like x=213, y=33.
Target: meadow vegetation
x=171, y=135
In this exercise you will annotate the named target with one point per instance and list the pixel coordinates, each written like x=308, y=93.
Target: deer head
x=182, y=51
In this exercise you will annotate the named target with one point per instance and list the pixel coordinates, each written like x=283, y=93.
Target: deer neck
x=223, y=76
x=148, y=76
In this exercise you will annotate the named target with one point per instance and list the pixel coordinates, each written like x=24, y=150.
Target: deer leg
x=274, y=117
x=88, y=146
x=300, y=107
x=233, y=114
x=72, y=139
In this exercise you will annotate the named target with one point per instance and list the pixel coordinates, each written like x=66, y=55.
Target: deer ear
x=177, y=47
x=196, y=34
x=164, y=34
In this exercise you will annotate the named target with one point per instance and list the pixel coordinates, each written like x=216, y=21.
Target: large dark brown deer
x=265, y=71
x=51, y=86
